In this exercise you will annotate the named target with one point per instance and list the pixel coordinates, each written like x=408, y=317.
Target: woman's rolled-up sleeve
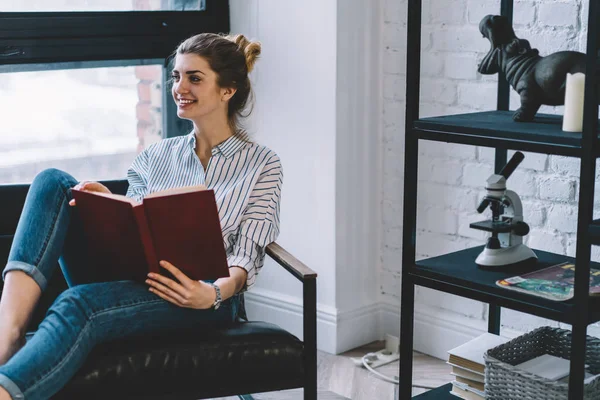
x=260, y=222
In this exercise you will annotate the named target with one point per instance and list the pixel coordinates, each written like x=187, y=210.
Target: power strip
x=390, y=354
x=377, y=359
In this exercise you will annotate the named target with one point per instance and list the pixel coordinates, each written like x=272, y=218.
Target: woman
x=211, y=88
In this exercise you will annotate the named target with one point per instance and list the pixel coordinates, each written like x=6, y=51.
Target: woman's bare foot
x=10, y=343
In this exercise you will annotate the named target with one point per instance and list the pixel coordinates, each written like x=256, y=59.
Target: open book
x=127, y=239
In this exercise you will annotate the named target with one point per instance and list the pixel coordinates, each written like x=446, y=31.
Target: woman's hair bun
x=250, y=49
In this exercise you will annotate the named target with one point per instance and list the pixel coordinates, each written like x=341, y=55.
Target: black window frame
x=28, y=38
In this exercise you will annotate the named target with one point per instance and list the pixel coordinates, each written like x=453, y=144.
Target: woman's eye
x=175, y=77
x=195, y=79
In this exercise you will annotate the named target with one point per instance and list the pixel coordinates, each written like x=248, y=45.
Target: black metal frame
x=578, y=313
x=48, y=37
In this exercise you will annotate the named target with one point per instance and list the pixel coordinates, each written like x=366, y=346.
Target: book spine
x=144, y=230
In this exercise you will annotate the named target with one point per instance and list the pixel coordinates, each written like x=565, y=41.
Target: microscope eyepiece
x=512, y=164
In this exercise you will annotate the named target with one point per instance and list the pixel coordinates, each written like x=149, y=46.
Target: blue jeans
x=88, y=312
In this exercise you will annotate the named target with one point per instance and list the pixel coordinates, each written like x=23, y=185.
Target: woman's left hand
x=187, y=293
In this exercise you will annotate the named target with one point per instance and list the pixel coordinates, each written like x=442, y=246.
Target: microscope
x=504, y=248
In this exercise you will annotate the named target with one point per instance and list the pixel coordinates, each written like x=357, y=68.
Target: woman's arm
x=137, y=176
x=236, y=281
x=260, y=222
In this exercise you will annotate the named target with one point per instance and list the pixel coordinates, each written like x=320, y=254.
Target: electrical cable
x=393, y=380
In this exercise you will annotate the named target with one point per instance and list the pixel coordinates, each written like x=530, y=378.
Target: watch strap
x=218, y=299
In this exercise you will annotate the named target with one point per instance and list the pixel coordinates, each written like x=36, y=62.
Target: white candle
x=573, y=119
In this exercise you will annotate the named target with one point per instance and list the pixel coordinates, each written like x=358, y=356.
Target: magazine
x=555, y=283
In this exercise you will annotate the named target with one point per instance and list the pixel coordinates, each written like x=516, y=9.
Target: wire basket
x=504, y=381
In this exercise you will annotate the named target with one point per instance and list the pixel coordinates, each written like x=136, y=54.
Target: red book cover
x=126, y=239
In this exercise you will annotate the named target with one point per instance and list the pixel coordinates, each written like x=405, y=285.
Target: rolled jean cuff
x=29, y=269
x=12, y=389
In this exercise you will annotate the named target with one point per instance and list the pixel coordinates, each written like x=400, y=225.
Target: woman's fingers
x=89, y=187
x=167, y=291
x=95, y=187
x=165, y=297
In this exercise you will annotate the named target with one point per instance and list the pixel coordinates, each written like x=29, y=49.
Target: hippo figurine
x=538, y=80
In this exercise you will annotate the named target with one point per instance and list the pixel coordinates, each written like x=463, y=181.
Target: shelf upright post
x=587, y=175
x=411, y=152
x=506, y=10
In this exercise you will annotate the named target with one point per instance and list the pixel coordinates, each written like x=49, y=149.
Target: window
x=85, y=91
x=90, y=122
x=100, y=5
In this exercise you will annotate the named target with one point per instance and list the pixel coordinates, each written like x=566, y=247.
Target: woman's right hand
x=89, y=187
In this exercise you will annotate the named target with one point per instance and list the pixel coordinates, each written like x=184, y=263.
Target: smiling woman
x=211, y=89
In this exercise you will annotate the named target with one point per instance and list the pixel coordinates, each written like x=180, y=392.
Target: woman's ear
x=227, y=93
x=490, y=63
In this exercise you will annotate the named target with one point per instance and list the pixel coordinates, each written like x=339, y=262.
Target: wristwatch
x=217, y=302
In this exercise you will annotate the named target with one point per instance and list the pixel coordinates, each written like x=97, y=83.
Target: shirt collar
x=228, y=147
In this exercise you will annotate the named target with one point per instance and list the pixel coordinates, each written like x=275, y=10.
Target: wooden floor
x=339, y=379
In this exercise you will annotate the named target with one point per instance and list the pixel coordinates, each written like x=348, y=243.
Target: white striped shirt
x=245, y=177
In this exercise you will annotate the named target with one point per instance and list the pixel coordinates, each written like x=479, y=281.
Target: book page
x=114, y=196
x=179, y=190
x=474, y=349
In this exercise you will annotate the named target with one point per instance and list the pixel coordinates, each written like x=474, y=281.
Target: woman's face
x=195, y=88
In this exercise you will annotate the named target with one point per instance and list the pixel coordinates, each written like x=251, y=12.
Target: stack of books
x=468, y=366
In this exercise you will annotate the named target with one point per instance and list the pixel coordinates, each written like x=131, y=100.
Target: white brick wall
x=451, y=177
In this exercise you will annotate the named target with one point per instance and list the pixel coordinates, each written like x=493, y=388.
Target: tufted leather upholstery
x=241, y=355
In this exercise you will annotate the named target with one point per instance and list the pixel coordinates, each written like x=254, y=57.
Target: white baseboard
x=358, y=327
x=336, y=331
x=286, y=312
x=435, y=330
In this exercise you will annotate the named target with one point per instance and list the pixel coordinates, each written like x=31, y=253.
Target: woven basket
x=503, y=381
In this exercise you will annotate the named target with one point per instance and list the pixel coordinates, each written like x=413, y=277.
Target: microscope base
x=506, y=256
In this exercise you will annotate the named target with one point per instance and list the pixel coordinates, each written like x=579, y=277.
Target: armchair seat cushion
x=239, y=355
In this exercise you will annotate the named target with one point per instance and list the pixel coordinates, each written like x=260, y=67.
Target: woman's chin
x=183, y=114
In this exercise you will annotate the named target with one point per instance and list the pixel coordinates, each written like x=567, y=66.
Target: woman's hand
x=89, y=187
x=188, y=293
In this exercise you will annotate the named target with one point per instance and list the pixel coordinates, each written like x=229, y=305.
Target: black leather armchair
x=246, y=357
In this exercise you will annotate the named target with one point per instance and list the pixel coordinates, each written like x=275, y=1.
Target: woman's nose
x=180, y=87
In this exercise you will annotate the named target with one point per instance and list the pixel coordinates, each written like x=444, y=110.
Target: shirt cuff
x=239, y=258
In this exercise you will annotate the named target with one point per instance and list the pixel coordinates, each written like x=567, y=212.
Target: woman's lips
x=185, y=103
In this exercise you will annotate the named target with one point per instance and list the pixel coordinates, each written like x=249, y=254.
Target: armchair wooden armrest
x=290, y=263
x=308, y=277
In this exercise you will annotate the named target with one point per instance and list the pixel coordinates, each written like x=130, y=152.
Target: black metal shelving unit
x=456, y=273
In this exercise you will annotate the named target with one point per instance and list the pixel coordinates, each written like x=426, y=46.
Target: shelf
x=441, y=393
x=497, y=129
x=458, y=274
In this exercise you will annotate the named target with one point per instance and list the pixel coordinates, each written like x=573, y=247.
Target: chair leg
x=310, y=339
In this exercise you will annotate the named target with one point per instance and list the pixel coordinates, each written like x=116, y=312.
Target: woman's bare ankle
x=4, y=395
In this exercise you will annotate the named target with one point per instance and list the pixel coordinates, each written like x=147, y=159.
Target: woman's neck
x=210, y=135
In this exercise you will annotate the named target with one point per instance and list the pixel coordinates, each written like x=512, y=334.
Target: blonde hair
x=232, y=57
x=250, y=49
